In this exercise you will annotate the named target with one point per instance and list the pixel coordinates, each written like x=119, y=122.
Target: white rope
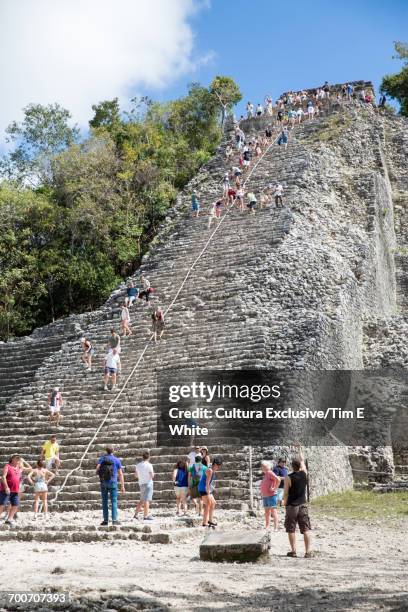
x=114, y=401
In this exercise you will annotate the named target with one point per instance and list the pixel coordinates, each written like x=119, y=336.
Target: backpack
x=196, y=475
x=106, y=470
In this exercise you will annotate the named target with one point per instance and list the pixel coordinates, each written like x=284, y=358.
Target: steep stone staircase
x=14, y=375
x=228, y=316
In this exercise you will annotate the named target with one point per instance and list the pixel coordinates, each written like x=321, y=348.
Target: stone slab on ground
x=242, y=546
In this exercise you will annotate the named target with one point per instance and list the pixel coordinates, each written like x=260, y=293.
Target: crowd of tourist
x=242, y=152
x=194, y=477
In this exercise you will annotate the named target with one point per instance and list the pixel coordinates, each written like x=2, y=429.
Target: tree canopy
x=396, y=85
x=77, y=214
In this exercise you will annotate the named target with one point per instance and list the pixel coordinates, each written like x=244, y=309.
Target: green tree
x=21, y=286
x=95, y=205
x=107, y=115
x=396, y=85
x=43, y=132
x=226, y=93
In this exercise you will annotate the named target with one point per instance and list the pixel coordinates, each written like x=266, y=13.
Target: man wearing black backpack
x=109, y=469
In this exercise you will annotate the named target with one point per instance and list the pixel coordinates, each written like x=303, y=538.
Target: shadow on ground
x=211, y=597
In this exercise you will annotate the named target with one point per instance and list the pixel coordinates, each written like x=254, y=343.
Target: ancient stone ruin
x=318, y=284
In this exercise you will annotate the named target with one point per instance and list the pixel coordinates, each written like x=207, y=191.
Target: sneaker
x=148, y=518
x=89, y=369
x=105, y=388
x=113, y=388
x=115, y=522
x=8, y=523
x=104, y=524
x=136, y=517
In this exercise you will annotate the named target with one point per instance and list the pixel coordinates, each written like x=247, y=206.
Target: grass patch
x=363, y=505
x=330, y=129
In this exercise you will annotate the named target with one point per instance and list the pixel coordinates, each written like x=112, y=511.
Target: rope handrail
x=133, y=370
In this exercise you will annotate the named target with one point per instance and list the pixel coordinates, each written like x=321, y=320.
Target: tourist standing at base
x=55, y=405
x=109, y=470
x=195, y=471
x=180, y=479
x=294, y=498
x=281, y=470
x=10, y=488
x=206, y=488
x=40, y=478
x=145, y=476
x=25, y=468
x=269, y=485
x=50, y=454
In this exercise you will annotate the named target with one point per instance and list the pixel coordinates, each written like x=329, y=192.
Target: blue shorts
x=279, y=494
x=110, y=371
x=11, y=498
x=195, y=207
x=270, y=502
x=146, y=492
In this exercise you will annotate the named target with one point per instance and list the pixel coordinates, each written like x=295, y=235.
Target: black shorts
x=203, y=493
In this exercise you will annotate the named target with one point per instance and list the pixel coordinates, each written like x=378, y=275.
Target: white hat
x=83, y=339
x=56, y=389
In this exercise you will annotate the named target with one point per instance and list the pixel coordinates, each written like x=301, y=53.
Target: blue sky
x=271, y=47
x=96, y=50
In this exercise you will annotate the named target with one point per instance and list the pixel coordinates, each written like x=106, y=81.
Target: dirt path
x=357, y=566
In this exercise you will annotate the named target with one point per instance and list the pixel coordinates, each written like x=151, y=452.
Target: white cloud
x=78, y=52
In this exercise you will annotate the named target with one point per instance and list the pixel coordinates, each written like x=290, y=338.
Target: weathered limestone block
x=242, y=546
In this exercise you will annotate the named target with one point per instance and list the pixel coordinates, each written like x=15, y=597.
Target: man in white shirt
x=192, y=455
x=112, y=363
x=278, y=193
x=145, y=290
x=145, y=475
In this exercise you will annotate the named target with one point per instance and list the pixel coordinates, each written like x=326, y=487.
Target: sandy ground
x=357, y=566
